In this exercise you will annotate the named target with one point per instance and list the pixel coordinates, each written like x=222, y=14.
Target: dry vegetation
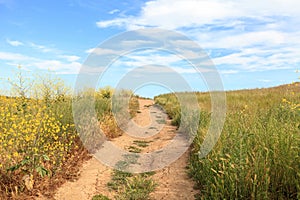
x=256, y=157
x=258, y=153
x=39, y=145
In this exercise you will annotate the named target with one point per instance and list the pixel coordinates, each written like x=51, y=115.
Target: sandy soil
x=173, y=182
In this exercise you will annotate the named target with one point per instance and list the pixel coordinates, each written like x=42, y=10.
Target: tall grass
x=38, y=138
x=258, y=153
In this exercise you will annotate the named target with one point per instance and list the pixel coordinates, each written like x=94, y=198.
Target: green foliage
x=141, y=143
x=106, y=92
x=258, y=153
x=100, y=197
x=136, y=188
x=37, y=130
x=129, y=186
x=134, y=149
x=118, y=179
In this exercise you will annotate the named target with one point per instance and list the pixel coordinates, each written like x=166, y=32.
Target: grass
x=141, y=143
x=258, y=153
x=100, y=197
x=119, y=178
x=152, y=127
x=129, y=159
x=161, y=121
x=38, y=139
x=128, y=185
x=136, y=188
x=134, y=149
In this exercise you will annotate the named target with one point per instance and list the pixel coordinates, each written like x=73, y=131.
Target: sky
x=252, y=44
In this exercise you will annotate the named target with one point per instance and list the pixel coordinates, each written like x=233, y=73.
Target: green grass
x=152, y=127
x=129, y=186
x=134, y=149
x=136, y=188
x=161, y=121
x=100, y=197
x=258, y=153
x=141, y=143
x=129, y=159
x=119, y=178
x=38, y=132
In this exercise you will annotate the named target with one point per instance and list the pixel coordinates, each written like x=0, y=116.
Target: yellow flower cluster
x=291, y=105
x=31, y=130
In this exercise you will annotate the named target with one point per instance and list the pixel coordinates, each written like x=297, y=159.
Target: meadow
x=40, y=147
x=258, y=153
x=256, y=157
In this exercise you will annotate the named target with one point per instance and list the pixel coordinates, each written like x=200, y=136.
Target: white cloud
x=102, y=51
x=148, y=69
x=113, y=11
x=138, y=59
x=173, y=14
x=70, y=58
x=70, y=66
x=135, y=43
x=43, y=48
x=255, y=59
x=230, y=71
x=264, y=33
x=8, y=56
x=114, y=22
x=14, y=43
x=58, y=66
x=265, y=80
x=243, y=40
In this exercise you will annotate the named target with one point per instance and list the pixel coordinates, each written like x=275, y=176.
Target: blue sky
x=253, y=44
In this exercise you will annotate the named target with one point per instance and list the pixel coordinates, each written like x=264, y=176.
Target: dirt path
x=173, y=182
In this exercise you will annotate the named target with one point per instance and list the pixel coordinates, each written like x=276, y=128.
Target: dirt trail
x=93, y=178
x=173, y=182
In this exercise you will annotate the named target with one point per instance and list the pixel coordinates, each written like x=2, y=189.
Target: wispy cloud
x=249, y=35
x=14, y=43
x=70, y=58
x=113, y=11
x=58, y=66
x=8, y=56
x=192, y=13
x=44, y=48
x=114, y=22
x=68, y=65
x=102, y=51
x=265, y=80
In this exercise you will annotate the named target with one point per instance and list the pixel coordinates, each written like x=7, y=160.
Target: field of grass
x=39, y=144
x=256, y=157
x=258, y=153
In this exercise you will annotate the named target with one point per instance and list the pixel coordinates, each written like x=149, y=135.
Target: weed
x=134, y=149
x=129, y=159
x=161, y=121
x=257, y=155
x=118, y=179
x=136, y=188
x=100, y=197
x=141, y=143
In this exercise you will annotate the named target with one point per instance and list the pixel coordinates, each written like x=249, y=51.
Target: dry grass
x=258, y=153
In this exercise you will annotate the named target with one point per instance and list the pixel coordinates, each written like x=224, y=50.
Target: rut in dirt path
x=154, y=128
